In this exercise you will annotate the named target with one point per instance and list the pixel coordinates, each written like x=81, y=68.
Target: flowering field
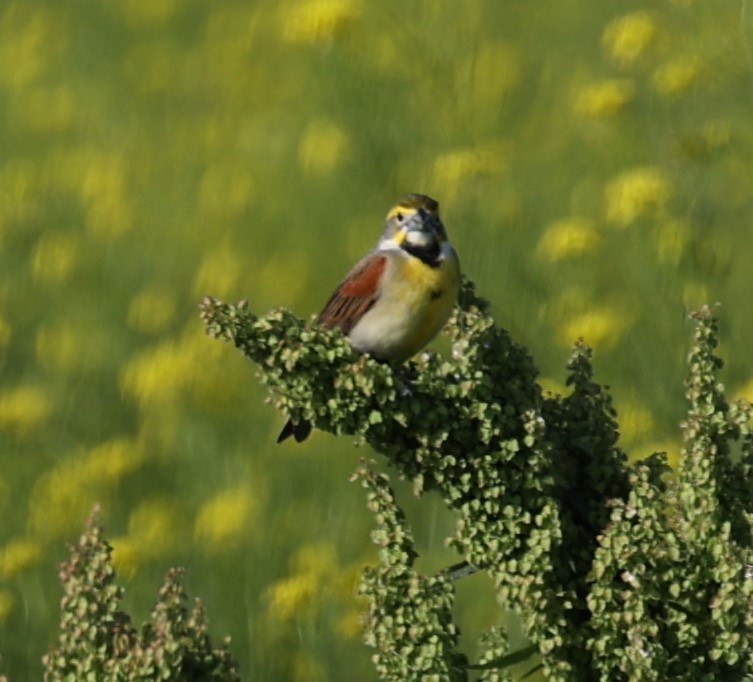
x=593, y=162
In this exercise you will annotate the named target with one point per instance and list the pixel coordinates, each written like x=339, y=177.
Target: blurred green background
x=593, y=162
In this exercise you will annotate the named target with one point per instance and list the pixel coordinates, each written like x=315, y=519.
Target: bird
x=398, y=296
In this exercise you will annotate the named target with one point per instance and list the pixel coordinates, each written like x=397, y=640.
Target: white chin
x=419, y=238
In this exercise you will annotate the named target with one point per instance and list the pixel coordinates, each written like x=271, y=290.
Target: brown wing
x=356, y=294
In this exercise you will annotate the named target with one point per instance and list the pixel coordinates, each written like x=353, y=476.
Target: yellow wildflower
x=314, y=572
x=63, y=495
x=32, y=41
x=324, y=147
x=291, y=597
x=601, y=327
x=224, y=520
x=221, y=273
x=167, y=371
x=318, y=21
x=111, y=460
x=54, y=257
x=154, y=531
x=675, y=77
x=627, y=38
x=151, y=311
x=161, y=373
x=319, y=558
x=350, y=625
x=61, y=499
x=17, y=556
x=604, y=98
x=104, y=175
x=155, y=527
x=636, y=192
x=24, y=408
x=568, y=238
x=126, y=557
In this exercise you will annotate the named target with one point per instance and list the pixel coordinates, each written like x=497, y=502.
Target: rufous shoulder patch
x=364, y=281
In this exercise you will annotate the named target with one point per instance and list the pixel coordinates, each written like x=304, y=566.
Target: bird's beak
x=421, y=229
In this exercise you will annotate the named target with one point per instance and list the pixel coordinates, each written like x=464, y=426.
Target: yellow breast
x=414, y=303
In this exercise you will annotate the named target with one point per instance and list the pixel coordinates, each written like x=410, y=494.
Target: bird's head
x=413, y=224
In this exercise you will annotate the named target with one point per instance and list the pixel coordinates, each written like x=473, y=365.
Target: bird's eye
x=399, y=217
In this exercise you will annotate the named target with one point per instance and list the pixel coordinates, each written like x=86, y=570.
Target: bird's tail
x=300, y=431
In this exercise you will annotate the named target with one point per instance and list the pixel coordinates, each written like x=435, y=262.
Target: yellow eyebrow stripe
x=405, y=210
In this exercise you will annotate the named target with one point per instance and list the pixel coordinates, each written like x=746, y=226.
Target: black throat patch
x=431, y=254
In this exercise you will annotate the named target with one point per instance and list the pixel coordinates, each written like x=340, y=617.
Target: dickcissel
x=399, y=295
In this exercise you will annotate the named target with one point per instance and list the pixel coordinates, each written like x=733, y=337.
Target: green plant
x=618, y=570
x=98, y=641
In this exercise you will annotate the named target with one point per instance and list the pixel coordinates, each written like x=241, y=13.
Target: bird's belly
x=411, y=310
